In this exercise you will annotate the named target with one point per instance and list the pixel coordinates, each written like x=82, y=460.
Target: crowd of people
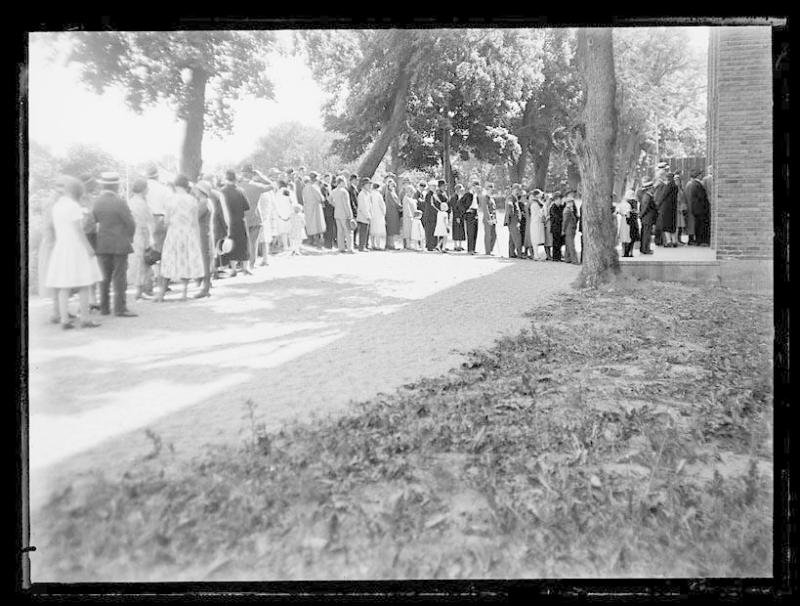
x=97, y=240
x=663, y=211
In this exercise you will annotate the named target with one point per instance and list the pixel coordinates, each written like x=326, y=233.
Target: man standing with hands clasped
x=471, y=217
x=115, y=229
x=648, y=216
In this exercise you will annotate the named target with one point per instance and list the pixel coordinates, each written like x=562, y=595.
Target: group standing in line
x=95, y=241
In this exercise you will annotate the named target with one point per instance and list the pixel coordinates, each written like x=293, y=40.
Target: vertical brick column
x=740, y=141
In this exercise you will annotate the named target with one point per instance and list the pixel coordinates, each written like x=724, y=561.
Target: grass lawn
x=627, y=432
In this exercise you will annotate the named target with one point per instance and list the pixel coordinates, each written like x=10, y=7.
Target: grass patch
x=627, y=432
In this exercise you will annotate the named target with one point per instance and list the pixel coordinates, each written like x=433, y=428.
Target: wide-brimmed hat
x=108, y=178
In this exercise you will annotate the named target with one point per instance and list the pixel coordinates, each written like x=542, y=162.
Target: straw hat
x=108, y=178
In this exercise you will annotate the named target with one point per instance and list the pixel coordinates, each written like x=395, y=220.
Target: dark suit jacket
x=649, y=212
x=115, y=224
x=512, y=215
x=252, y=191
x=696, y=198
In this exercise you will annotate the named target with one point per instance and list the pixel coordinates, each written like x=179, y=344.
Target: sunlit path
x=304, y=335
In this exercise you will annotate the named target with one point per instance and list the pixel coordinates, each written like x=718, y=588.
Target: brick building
x=740, y=151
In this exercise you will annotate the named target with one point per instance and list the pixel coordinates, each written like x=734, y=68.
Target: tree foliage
x=199, y=73
x=471, y=91
x=661, y=84
x=294, y=144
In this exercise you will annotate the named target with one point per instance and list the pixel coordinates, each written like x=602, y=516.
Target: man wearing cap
x=343, y=215
x=364, y=215
x=648, y=216
x=252, y=191
x=312, y=202
x=115, y=230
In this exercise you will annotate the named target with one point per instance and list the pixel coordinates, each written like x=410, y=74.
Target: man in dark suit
x=648, y=215
x=660, y=193
x=557, y=224
x=697, y=201
x=115, y=229
x=429, y=209
x=513, y=215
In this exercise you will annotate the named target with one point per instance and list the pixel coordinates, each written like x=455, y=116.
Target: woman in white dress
x=182, y=256
x=623, y=211
x=266, y=202
x=409, y=206
x=377, y=224
x=537, y=224
x=139, y=272
x=48, y=239
x=72, y=261
x=282, y=214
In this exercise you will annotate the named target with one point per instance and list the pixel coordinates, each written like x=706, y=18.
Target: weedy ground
x=626, y=433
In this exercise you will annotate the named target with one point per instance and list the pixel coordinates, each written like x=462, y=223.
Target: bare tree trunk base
x=599, y=271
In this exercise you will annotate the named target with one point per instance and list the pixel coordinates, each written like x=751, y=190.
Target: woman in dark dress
x=219, y=228
x=668, y=214
x=237, y=230
x=393, y=212
x=456, y=204
x=327, y=212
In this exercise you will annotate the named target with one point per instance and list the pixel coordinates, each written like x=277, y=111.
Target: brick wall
x=740, y=141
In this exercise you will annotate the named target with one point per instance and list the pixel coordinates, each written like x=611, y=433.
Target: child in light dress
x=442, y=228
x=297, y=229
x=417, y=231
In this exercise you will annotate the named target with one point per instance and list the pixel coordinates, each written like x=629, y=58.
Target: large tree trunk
x=447, y=167
x=391, y=129
x=191, y=160
x=594, y=145
x=541, y=164
x=627, y=156
x=519, y=167
x=394, y=156
x=524, y=137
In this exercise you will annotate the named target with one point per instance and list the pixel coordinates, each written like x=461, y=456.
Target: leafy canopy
x=150, y=67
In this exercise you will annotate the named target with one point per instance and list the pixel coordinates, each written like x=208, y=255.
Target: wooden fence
x=686, y=165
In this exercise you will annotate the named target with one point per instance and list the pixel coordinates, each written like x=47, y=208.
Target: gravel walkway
x=305, y=336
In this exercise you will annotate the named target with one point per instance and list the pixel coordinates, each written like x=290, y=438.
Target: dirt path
x=305, y=336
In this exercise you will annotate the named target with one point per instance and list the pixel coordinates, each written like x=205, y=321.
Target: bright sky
x=62, y=111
